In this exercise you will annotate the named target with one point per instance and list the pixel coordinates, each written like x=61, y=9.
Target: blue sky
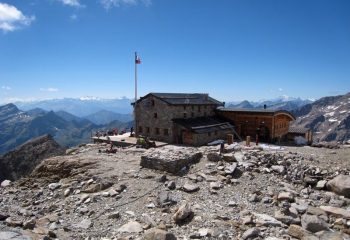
x=232, y=49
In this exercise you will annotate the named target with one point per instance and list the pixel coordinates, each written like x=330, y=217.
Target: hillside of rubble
x=264, y=192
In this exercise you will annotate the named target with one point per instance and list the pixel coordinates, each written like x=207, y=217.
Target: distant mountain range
x=80, y=107
x=280, y=103
x=102, y=111
x=17, y=126
x=104, y=117
x=71, y=121
x=328, y=117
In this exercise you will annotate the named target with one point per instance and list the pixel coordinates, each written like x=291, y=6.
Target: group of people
x=110, y=132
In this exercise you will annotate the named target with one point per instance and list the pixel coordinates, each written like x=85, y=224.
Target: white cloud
x=280, y=89
x=73, y=17
x=107, y=4
x=72, y=3
x=11, y=18
x=6, y=88
x=50, y=89
x=15, y=99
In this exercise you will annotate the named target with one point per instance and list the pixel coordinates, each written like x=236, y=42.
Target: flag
x=137, y=60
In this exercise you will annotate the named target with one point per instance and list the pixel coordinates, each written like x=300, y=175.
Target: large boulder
x=300, y=233
x=213, y=157
x=158, y=234
x=251, y=233
x=188, y=187
x=184, y=213
x=340, y=185
x=335, y=211
x=131, y=227
x=313, y=223
x=171, y=159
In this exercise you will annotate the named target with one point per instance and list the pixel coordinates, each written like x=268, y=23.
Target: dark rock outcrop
x=21, y=161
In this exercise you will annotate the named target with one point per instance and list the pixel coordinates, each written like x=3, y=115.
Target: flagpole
x=135, y=77
x=135, y=122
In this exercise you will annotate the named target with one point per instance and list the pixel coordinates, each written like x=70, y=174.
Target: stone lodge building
x=180, y=118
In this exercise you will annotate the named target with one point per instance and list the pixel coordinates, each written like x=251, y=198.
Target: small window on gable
x=199, y=108
x=209, y=134
x=166, y=132
x=192, y=107
x=157, y=131
x=184, y=107
x=147, y=130
x=155, y=115
x=152, y=102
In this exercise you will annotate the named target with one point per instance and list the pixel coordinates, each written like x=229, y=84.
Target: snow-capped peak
x=90, y=98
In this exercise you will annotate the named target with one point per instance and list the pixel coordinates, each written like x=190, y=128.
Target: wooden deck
x=123, y=140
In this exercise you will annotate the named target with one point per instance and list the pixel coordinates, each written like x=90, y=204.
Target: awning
x=203, y=124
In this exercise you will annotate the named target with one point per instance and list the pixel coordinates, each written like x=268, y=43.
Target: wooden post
x=248, y=141
x=229, y=139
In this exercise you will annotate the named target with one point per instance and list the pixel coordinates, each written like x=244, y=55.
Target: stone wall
x=170, y=158
x=202, y=139
x=147, y=124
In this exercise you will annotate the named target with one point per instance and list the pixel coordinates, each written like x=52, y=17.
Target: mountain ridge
x=280, y=103
x=328, y=118
x=79, y=107
x=17, y=126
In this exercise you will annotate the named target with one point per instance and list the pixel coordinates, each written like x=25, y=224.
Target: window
x=192, y=114
x=192, y=107
x=199, y=108
x=140, y=129
x=185, y=115
x=155, y=115
x=216, y=133
x=147, y=130
x=157, y=131
x=209, y=134
x=184, y=107
x=205, y=106
x=166, y=132
x=152, y=102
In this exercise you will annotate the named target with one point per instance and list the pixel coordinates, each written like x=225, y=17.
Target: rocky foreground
x=246, y=193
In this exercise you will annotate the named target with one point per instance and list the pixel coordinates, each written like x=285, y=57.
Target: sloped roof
x=203, y=124
x=185, y=98
x=300, y=130
x=258, y=111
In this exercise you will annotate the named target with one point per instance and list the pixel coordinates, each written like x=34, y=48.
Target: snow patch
x=330, y=114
